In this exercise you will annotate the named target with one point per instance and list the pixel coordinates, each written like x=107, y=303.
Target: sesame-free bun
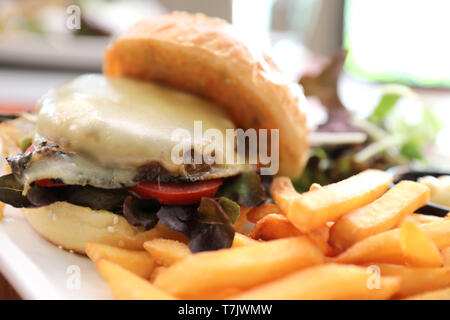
x=71, y=226
x=202, y=55
x=205, y=56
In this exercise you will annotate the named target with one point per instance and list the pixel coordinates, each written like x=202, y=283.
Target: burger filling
x=107, y=144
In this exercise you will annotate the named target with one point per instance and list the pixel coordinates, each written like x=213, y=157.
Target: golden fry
x=166, y=252
x=274, y=226
x=222, y=294
x=311, y=210
x=242, y=221
x=320, y=238
x=125, y=285
x=326, y=282
x=156, y=273
x=385, y=247
x=241, y=240
x=257, y=213
x=416, y=280
x=442, y=294
x=446, y=257
x=423, y=218
x=277, y=226
x=138, y=262
x=240, y=268
x=418, y=249
x=2, y=208
x=381, y=215
x=282, y=192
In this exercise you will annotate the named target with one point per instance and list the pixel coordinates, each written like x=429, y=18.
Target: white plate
x=39, y=270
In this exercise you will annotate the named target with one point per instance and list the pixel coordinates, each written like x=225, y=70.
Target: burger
x=99, y=164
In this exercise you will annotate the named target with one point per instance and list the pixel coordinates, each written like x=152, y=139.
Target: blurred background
x=376, y=73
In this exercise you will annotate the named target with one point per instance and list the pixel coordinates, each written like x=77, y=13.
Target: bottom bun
x=71, y=226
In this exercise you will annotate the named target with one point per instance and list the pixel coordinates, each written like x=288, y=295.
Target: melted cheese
x=123, y=123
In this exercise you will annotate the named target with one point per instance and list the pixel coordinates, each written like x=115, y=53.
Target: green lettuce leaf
x=245, y=189
x=11, y=192
x=141, y=212
x=221, y=211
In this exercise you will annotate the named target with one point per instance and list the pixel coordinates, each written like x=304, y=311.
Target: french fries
x=223, y=294
x=156, y=273
x=161, y=231
x=138, y=262
x=277, y=226
x=166, y=252
x=385, y=247
x=241, y=240
x=418, y=250
x=416, y=280
x=257, y=213
x=423, y=218
x=446, y=257
x=331, y=281
x=2, y=208
x=125, y=285
x=201, y=274
x=306, y=246
x=274, y=226
x=380, y=215
x=282, y=192
x=242, y=220
x=320, y=238
x=442, y=294
x=311, y=210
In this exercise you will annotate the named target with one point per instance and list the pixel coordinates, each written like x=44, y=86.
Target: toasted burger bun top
x=203, y=55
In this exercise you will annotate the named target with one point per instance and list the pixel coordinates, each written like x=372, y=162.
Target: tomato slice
x=48, y=183
x=30, y=149
x=43, y=182
x=177, y=193
x=13, y=108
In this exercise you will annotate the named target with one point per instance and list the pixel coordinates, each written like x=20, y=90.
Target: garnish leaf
x=212, y=237
x=209, y=227
x=11, y=192
x=26, y=143
x=231, y=208
x=94, y=198
x=179, y=218
x=141, y=212
x=386, y=104
x=245, y=189
x=211, y=212
x=40, y=197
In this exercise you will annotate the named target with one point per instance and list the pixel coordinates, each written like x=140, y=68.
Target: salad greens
x=399, y=130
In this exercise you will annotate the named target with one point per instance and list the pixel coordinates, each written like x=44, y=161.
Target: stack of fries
x=354, y=239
